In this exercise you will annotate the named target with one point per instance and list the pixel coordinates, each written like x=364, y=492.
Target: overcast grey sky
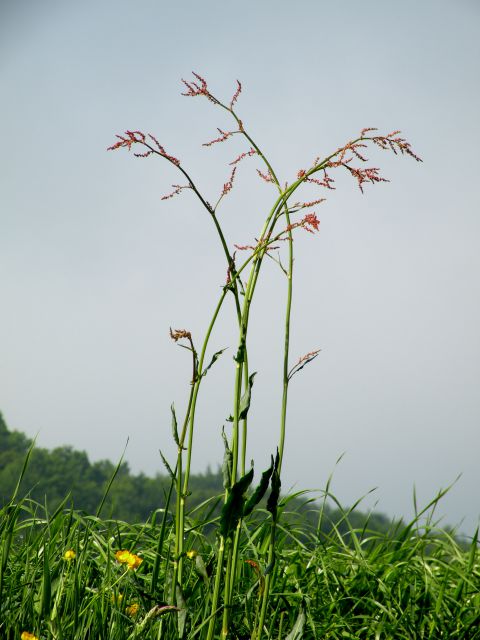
x=95, y=268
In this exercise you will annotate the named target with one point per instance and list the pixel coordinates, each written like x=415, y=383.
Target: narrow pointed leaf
x=240, y=356
x=276, y=484
x=174, y=426
x=182, y=611
x=233, y=508
x=259, y=492
x=167, y=466
x=297, y=630
x=227, y=463
x=215, y=357
x=246, y=398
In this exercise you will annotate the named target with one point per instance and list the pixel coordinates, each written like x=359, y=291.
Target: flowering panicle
x=137, y=137
x=224, y=135
x=396, y=144
x=307, y=205
x=366, y=175
x=327, y=181
x=229, y=184
x=199, y=88
x=309, y=222
x=177, y=188
x=132, y=137
x=265, y=176
x=162, y=151
x=366, y=130
x=246, y=154
x=178, y=334
x=260, y=243
x=302, y=362
x=236, y=94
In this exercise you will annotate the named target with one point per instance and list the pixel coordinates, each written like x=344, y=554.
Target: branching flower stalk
x=276, y=228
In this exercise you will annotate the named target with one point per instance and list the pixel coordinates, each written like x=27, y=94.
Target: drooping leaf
x=259, y=492
x=215, y=357
x=233, y=508
x=246, y=398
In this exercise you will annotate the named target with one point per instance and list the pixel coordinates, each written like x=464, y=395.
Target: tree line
x=65, y=474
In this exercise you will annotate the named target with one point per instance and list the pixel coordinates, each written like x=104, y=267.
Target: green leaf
x=174, y=425
x=240, y=356
x=46, y=584
x=182, y=610
x=259, y=492
x=297, y=630
x=227, y=463
x=272, y=501
x=215, y=357
x=200, y=568
x=167, y=466
x=233, y=508
x=246, y=398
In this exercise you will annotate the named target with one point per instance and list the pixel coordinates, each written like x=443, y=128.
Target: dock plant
x=251, y=563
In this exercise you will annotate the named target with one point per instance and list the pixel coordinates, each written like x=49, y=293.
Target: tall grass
x=257, y=578
x=61, y=578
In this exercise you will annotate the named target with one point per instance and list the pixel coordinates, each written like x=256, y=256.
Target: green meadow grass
x=416, y=581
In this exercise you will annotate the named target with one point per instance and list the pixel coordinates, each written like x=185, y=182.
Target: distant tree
x=51, y=476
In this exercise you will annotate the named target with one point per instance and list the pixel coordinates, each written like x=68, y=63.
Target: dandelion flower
x=28, y=636
x=69, y=555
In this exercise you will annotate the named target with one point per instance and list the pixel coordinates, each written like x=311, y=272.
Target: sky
x=95, y=268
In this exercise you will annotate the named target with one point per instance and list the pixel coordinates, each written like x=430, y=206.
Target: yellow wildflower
x=125, y=557
x=132, y=610
x=69, y=555
x=28, y=636
x=192, y=554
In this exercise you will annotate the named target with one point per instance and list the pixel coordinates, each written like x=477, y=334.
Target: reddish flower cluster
x=326, y=182
x=306, y=205
x=199, y=88
x=228, y=185
x=137, y=137
x=309, y=222
x=366, y=175
x=132, y=137
x=249, y=153
x=177, y=188
x=224, y=135
x=236, y=94
x=265, y=176
x=396, y=144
